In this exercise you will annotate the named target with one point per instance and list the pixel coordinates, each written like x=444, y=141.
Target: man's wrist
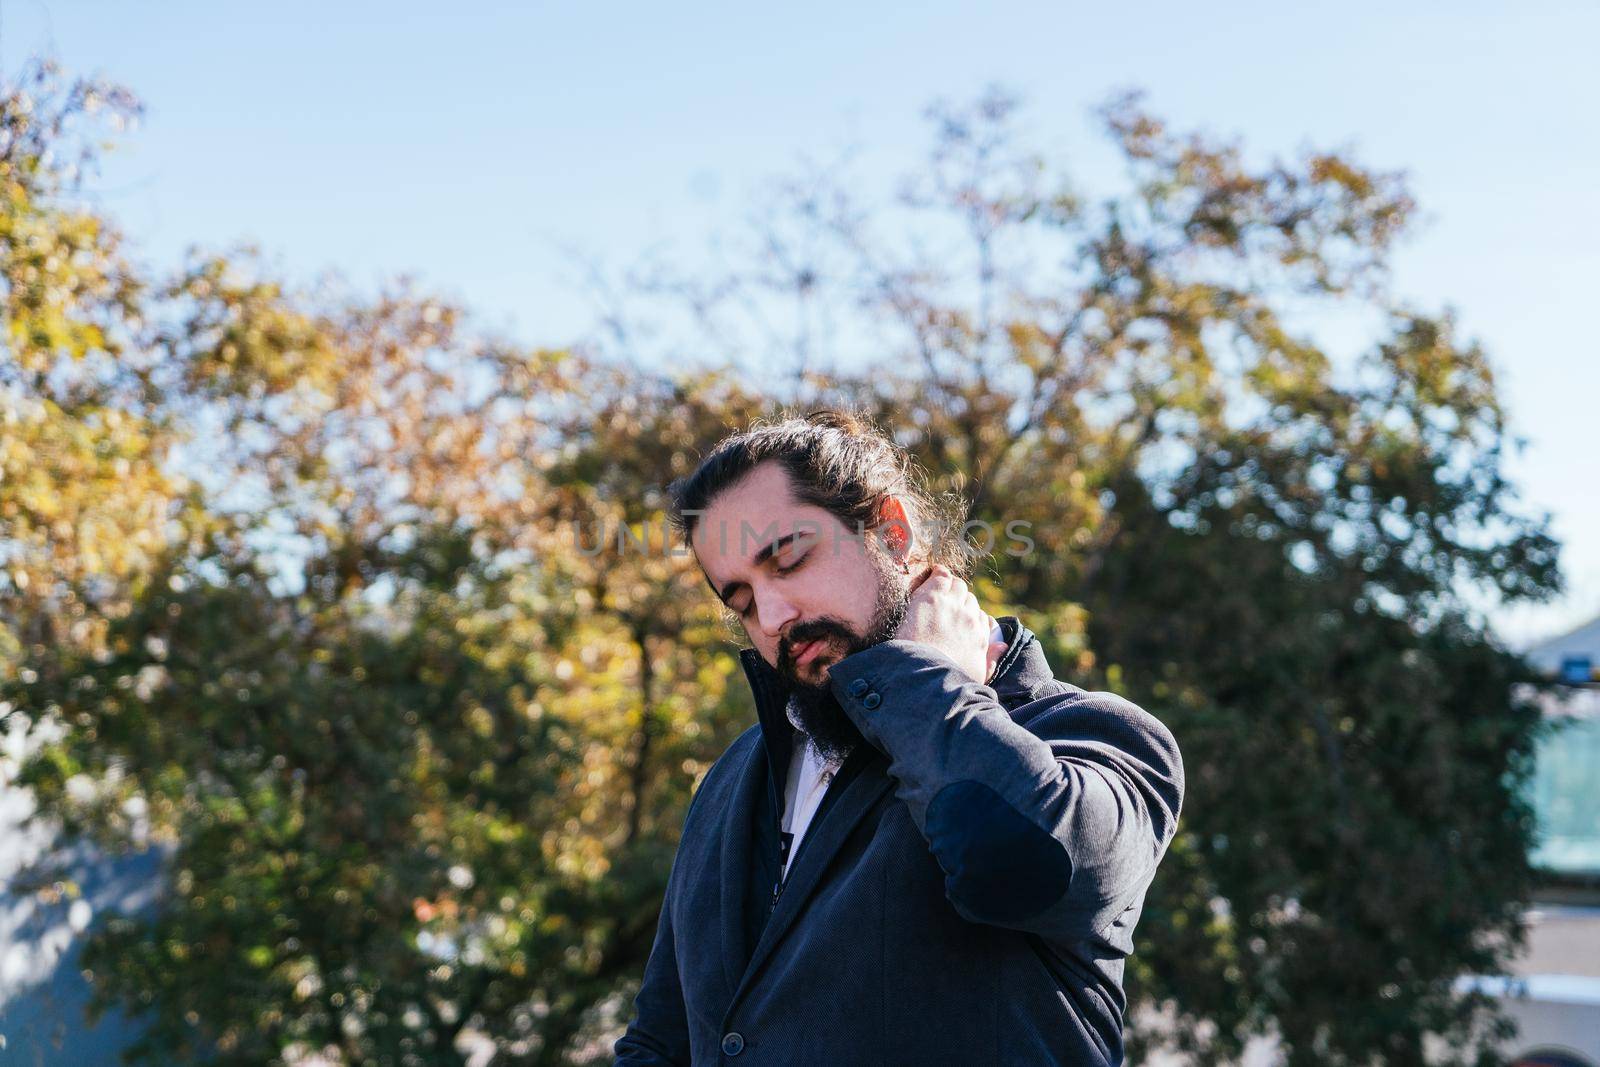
x=877, y=662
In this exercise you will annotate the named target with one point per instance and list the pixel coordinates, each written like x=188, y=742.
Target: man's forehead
x=731, y=539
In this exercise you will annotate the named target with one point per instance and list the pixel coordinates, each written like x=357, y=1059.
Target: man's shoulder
x=739, y=750
x=1060, y=711
x=1056, y=697
x=724, y=770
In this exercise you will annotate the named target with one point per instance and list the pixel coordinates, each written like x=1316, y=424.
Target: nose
x=773, y=613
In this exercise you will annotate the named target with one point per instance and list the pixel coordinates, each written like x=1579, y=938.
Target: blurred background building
x=1554, y=993
x=43, y=996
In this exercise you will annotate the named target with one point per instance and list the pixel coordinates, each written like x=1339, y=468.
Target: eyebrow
x=759, y=558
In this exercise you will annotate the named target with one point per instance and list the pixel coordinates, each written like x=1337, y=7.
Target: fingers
x=941, y=582
x=920, y=580
x=959, y=587
x=939, y=579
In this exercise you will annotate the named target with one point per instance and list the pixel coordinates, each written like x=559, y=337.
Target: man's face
x=808, y=589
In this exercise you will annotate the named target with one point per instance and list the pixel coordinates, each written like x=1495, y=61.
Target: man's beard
x=821, y=716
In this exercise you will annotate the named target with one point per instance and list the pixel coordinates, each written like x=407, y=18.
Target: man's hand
x=944, y=613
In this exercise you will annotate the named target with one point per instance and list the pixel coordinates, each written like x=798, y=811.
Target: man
x=928, y=849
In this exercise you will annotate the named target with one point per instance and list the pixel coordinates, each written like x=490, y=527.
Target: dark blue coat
x=966, y=894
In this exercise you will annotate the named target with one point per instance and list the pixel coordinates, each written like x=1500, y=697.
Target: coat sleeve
x=659, y=1031
x=1055, y=827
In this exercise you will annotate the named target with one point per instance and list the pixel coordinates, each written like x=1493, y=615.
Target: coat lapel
x=866, y=787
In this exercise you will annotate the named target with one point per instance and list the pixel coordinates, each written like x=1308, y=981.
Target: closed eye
x=745, y=611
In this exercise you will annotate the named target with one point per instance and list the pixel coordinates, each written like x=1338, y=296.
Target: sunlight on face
x=802, y=582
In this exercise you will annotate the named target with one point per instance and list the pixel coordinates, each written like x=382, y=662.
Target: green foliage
x=308, y=584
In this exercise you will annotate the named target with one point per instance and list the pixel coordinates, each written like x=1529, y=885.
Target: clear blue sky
x=470, y=145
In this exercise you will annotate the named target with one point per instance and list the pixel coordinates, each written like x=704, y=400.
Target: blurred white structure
x=50, y=894
x=1554, y=989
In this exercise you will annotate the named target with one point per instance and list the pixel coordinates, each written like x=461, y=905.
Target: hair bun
x=838, y=420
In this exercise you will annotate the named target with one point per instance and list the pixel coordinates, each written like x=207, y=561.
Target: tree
x=417, y=753
x=84, y=494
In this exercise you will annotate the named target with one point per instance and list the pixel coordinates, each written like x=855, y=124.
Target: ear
x=894, y=526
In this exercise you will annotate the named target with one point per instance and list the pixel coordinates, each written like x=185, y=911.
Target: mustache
x=811, y=630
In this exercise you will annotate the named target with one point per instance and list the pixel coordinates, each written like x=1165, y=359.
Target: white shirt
x=809, y=777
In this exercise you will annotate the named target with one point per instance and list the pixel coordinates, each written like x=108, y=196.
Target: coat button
x=732, y=1044
x=858, y=687
x=871, y=700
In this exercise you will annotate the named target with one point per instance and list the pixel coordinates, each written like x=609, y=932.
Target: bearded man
x=928, y=849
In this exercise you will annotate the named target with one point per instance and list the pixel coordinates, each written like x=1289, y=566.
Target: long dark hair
x=839, y=461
